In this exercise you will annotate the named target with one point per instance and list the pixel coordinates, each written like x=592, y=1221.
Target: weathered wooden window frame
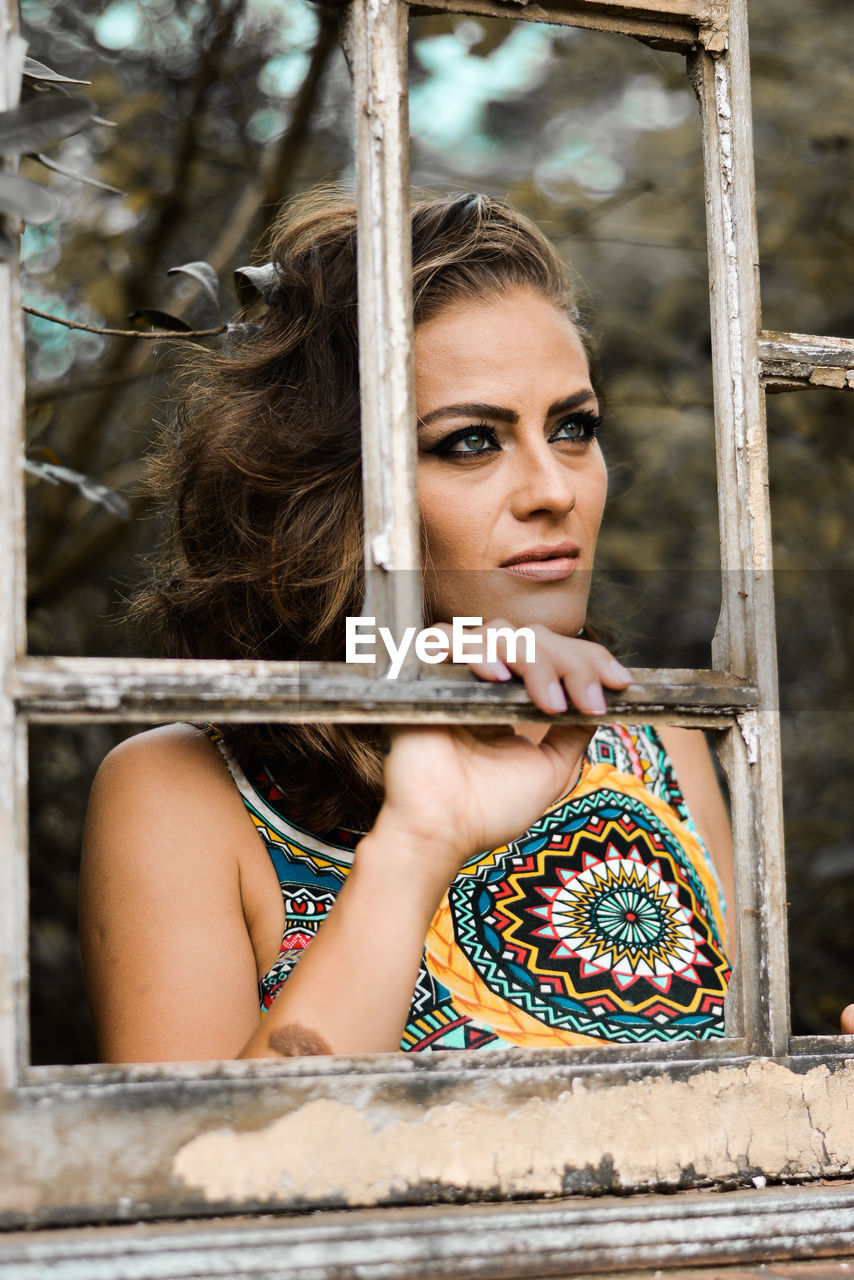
x=113, y=1144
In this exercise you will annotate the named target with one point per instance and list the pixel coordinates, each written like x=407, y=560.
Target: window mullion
x=14, y=1030
x=745, y=641
x=375, y=40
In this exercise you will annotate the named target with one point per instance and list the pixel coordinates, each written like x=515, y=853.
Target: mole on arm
x=295, y=1041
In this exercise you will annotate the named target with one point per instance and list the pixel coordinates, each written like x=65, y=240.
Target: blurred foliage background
x=222, y=109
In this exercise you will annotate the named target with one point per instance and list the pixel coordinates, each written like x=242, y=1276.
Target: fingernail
x=618, y=671
x=555, y=697
x=498, y=670
x=595, y=699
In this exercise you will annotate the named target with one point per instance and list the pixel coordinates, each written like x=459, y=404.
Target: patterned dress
x=602, y=922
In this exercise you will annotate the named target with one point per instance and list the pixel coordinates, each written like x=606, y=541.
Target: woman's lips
x=543, y=563
x=552, y=569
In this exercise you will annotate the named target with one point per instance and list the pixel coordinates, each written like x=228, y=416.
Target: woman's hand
x=847, y=1020
x=453, y=792
x=563, y=666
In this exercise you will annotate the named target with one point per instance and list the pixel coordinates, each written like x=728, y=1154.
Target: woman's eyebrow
x=499, y=413
x=494, y=411
x=571, y=402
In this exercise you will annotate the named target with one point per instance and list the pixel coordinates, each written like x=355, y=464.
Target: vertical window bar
x=375, y=41
x=745, y=641
x=14, y=1027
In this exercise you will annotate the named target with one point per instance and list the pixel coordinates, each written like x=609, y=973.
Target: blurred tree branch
x=125, y=333
x=57, y=559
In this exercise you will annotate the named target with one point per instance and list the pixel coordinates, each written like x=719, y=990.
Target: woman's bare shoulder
x=162, y=789
x=156, y=750
x=174, y=764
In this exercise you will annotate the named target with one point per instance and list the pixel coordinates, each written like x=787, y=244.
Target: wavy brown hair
x=262, y=472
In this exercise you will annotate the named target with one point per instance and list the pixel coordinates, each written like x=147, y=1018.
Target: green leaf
x=91, y=489
x=24, y=199
x=42, y=122
x=38, y=71
x=151, y=318
x=252, y=283
x=204, y=275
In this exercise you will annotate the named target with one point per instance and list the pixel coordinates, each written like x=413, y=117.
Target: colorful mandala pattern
x=603, y=922
x=595, y=931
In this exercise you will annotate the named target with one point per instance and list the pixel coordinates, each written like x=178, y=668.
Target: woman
x=602, y=920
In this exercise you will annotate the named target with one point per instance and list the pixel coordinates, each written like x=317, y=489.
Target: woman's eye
x=472, y=440
x=581, y=426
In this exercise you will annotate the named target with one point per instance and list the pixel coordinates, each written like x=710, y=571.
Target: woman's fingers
x=487, y=670
x=562, y=670
x=567, y=670
x=847, y=1020
x=587, y=679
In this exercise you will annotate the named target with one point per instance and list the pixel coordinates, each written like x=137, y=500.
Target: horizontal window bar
x=536, y=1123
x=801, y=361
x=483, y=1242
x=606, y=1058
x=164, y=689
x=833, y=1046
x=669, y=24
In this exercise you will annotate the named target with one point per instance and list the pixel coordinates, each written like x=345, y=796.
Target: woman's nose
x=542, y=481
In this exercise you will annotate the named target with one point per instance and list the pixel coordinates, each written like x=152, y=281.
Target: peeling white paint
x=381, y=552
x=748, y=723
x=719, y=1123
x=749, y=444
x=724, y=114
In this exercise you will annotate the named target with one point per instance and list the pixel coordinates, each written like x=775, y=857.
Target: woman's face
x=511, y=479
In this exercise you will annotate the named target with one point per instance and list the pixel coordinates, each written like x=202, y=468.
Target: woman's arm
x=352, y=989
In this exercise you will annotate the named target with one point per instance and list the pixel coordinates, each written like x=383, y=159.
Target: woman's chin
x=564, y=622
x=523, y=602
